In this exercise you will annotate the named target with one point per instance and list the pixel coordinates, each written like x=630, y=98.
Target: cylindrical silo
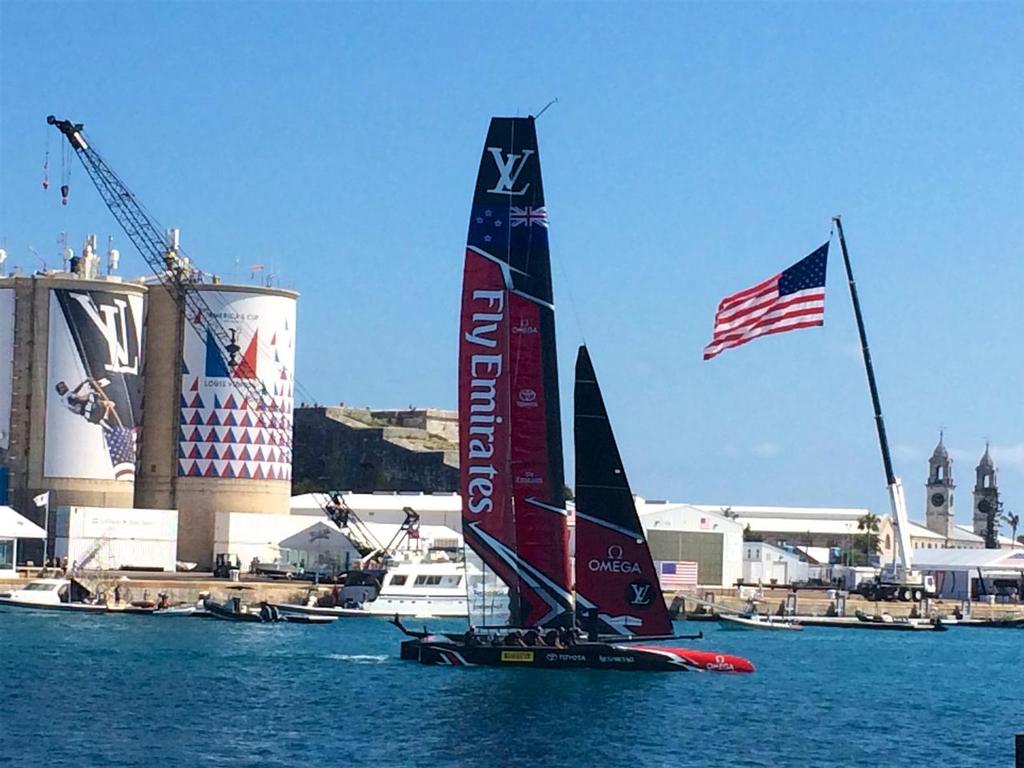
x=206, y=450
x=71, y=372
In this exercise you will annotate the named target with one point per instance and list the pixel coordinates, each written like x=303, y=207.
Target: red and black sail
x=615, y=577
x=512, y=481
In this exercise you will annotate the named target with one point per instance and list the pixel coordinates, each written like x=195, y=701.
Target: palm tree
x=993, y=511
x=869, y=524
x=1013, y=521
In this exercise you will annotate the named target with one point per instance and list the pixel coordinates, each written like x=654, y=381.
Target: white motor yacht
x=51, y=595
x=424, y=589
x=434, y=589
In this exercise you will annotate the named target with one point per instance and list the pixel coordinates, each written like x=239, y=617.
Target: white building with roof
x=767, y=564
x=794, y=526
x=308, y=538
x=684, y=533
x=13, y=527
x=960, y=537
x=976, y=574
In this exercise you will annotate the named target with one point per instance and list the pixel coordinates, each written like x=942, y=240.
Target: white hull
x=419, y=606
x=188, y=610
x=741, y=622
x=7, y=602
x=426, y=589
x=320, y=610
x=387, y=607
x=414, y=606
x=49, y=595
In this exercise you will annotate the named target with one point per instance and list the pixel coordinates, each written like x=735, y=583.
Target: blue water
x=136, y=691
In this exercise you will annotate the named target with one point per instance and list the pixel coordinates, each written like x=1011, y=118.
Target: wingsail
x=512, y=477
x=615, y=577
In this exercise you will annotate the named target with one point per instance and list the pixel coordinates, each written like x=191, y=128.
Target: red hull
x=633, y=658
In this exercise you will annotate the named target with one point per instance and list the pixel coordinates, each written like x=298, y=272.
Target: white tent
x=13, y=527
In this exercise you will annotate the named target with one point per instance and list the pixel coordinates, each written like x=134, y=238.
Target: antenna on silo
x=113, y=255
x=3, y=260
x=90, y=258
x=38, y=257
x=66, y=253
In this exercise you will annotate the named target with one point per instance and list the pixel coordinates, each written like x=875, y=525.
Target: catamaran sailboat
x=514, y=517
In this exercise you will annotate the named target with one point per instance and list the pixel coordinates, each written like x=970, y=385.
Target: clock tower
x=939, y=492
x=986, y=494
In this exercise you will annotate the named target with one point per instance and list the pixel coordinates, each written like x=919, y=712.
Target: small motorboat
x=295, y=618
x=267, y=613
x=727, y=621
x=321, y=611
x=53, y=595
x=233, y=609
x=886, y=621
x=1008, y=623
x=173, y=611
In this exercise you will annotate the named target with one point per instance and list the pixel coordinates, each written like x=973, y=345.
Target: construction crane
x=898, y=580
x=343, y=516
x=175, y=271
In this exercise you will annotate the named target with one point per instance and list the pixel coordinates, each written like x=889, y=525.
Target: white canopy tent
x=14, y=526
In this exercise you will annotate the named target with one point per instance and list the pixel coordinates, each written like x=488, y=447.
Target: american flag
x=676, y=574
x=789, y=300
x=529, y=216
x=121, y=447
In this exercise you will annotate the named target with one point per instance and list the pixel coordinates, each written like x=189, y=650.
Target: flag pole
x=890, y=476
x=46, y=528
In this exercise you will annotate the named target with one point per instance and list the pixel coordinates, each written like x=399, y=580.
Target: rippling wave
x=135, y=692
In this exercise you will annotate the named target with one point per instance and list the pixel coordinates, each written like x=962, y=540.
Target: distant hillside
x=364, y=450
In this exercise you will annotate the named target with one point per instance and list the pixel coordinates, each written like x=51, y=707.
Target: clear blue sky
x=695, y=149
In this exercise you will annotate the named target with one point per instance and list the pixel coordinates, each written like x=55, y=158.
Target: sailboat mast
x=883, y=441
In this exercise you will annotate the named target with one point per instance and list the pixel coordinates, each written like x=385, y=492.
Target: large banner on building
x=93, y=384
x=223, y=433
x=6, y=364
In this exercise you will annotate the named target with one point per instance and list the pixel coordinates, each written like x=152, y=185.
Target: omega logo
x=614, y=562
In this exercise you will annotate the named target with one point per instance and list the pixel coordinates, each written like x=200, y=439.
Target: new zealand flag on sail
x=508, y=229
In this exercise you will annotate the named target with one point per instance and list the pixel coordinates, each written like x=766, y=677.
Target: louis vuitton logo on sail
x=484, y=372
x=508, y=171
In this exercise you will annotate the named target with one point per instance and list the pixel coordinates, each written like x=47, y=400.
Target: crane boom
x=902, y=570
x=174, y=271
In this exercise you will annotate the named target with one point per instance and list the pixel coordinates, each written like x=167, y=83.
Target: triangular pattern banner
x=222, y=434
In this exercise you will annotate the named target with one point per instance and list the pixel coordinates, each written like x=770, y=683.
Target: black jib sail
x=616, y=583
x=512, y=480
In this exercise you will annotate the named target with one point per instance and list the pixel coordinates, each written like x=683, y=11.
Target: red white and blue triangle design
x=225, y=438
